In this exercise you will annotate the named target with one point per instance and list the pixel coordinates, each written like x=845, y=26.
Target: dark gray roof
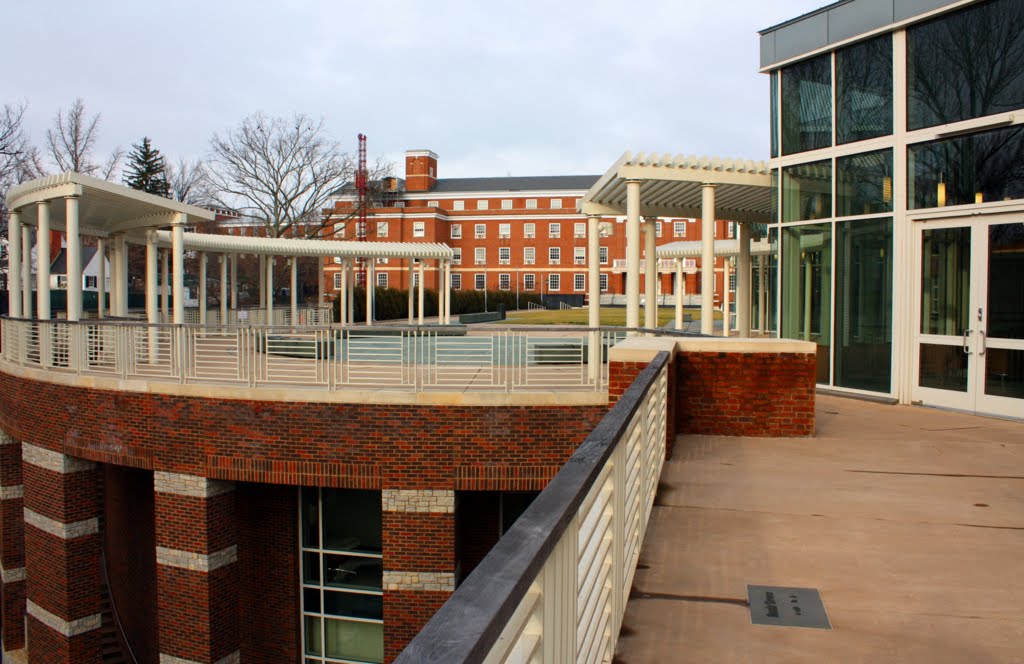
x=60, y=263
x=526, y=183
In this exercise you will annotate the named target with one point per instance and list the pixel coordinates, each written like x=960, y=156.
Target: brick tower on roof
x=420, y=170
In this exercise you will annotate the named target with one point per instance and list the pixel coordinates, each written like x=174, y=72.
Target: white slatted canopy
x=692, y=249
x=670, y=186
x=298, y=247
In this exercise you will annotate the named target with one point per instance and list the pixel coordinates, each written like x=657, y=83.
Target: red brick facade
x=12, y=545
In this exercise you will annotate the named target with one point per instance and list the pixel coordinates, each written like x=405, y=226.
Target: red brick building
x=509, y=233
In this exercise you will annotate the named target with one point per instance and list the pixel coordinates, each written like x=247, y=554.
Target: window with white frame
x=529, y=230
x=337, y=281
x=604, y=283
x=657, y=227
x=731, y=230
x=419, y=228
x=457, y=255
x=506, y=204
x=504, y=255
x=480, y=255
x=480, y=281
x=531, y=203
x=360, y=229
x=480, y=231
x=433, y=204
x=555, y=230
x=679, y=229
x=90, y=281
x=341, y=565
x=456, y=281
x=382, y=229
x=579, y=256
x=556, y=203
x=554, y=281
x=481, y=204
x=732, y=282
x=383, y=260
x=360, y=278
x=504, y=281
x=62, y=281
x=579, y=229
x=604, y=229
x=554, y=255
x=382, y=280
x=529, y=281
x=603, y=255
x=415, y=279
x=456, y=231
x=504, y=230
x=529, y=255
x=458, y=206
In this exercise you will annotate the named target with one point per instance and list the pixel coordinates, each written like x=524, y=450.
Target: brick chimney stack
x=420, y=170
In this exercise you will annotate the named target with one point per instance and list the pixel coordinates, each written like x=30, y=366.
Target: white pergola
x=117, y=215
x=656, y=185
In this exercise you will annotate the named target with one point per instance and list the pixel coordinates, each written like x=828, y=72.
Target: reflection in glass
x=310, y=567
x=1006, y=281
x=863, y=349
x=310, y=517
x=943, y=367
x=311, y=600
x=945, y=280
x=967, y=64
x=359, y=641
x=775, y=196
x=807, y=105
x=772, y=278
x=356, y=605
x=352, y=520
x=774, y=112
x=807, y=288
x=864, y=183
x=1004, y=373
x=807, y=191
x=864, y=90
x=976, y=168
x=355, y=572
x=313, y=637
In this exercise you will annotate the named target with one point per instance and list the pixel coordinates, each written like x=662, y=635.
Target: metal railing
x=280, y=315
x=554, y=588
x=496, y=359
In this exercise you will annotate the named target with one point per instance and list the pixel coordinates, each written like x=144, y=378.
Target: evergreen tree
x=147, y=169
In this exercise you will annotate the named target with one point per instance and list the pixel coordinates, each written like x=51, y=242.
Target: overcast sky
x=529, y=87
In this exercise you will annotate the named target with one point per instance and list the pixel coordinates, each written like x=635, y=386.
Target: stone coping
x=643, y=349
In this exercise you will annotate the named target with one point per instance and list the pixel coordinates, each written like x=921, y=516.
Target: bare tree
x=190, y=182
x=72, y=139
x=19, y=162
x=280, y=170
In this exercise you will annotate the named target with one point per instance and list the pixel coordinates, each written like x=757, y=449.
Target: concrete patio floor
x=910, y=522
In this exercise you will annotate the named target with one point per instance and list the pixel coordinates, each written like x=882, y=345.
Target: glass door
x=970, y=341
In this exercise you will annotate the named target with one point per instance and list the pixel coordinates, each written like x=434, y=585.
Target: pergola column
x=650, y=275
x=121, y=253
x=680, y=291
x=268, y=285
x=707, y=259
x=448, y=292
x=632, y=254
x=152, y=314
x=371, y=276
x=178, y=267
x=202, y=288
x=293, y=289
x=412, y=305
x=234, y=282
x=263, y=280
x=743, y=281
x=14, y=264
x=165, y=287
x=352, y=292
x=420, y=291
x=74, y=259
x=319, y=281
x=43, y=261
x=594, y=294
x=26, y=272
x=101, y=278
x=343, y=305
x=726, y=318
x=762, y=296
x=223, y=289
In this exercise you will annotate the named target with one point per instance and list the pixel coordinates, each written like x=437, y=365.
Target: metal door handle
x=967, y=349
x=983, y=347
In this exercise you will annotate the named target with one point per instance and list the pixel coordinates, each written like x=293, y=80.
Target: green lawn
x=610, y=316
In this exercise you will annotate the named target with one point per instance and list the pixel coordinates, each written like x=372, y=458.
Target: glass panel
x=863, y=349
x=807, y=191
x=353, y=572
x=313, y=640
x=976, y=168
x=773, y=279
x=1005, y=285
x=864, y=90
x=354, y=605
x=311, y=600
x=807, y=105
x=363, y=642
x=310, y=567
x=1004, y=373
x=943, y=367
x=864, y=183
x=775, y=196
x=352, y=520
x=774, y=112
x=806, y=289
x=310, y=523
x=967, y=64
x=945, y=280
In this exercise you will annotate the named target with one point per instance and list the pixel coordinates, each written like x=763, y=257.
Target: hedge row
x=393, y=304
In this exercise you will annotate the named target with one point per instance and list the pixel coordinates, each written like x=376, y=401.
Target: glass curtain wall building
x=897, y=145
